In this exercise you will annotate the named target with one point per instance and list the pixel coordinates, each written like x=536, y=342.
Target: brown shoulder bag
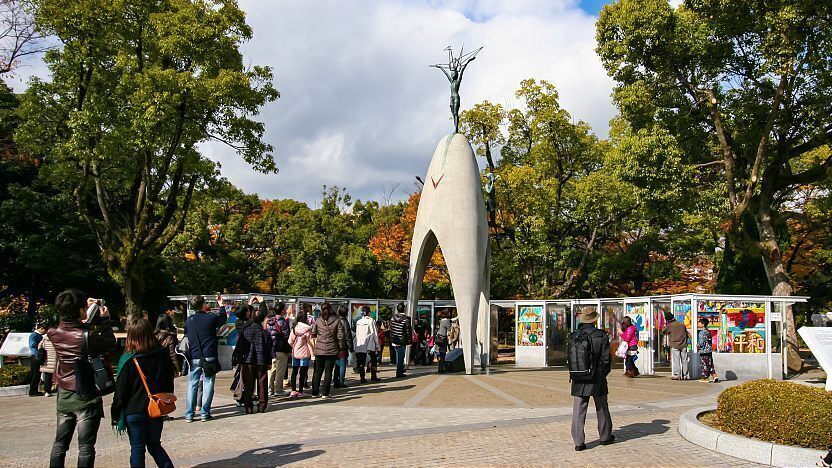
x=159, y=404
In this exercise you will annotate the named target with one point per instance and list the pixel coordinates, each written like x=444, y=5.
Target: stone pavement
x=511, y=417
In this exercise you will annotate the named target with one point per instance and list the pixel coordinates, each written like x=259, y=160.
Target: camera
x=94, y=309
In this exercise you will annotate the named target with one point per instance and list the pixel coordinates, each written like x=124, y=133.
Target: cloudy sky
x=361, y=109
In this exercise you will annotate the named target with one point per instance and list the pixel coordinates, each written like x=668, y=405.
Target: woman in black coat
x=129, y=410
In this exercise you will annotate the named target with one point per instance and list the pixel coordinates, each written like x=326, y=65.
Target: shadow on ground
x=639, y=430
x=276, y=455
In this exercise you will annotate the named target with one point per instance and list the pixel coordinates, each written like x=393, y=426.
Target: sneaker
x=294, y=394
x=238, y=403
x=206, y=418
x=704, y=380
x=715, y=380
x=50, y=394
x=324, y=397
x=189, y=420
x=580, y=448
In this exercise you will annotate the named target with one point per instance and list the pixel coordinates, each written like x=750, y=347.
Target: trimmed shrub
x=13, y=375
x=784, y=413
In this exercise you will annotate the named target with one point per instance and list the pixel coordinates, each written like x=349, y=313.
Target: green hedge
x=781, y=412
x=13, y=375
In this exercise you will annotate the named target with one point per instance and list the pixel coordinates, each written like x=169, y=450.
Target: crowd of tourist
x=273, y=351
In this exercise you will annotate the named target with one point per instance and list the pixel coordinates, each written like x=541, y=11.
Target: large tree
x=746, y=87
x=136, y=88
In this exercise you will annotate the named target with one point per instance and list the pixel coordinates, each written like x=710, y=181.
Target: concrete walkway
x=511, y=417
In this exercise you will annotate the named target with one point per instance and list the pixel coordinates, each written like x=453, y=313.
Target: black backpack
x=580, y=357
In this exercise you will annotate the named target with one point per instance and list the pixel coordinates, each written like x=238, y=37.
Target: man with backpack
x=401, y=335
x=278, y=328
x=82, y=333
x=589, y=365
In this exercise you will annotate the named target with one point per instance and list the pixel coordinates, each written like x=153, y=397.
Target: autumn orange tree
x=391, y=246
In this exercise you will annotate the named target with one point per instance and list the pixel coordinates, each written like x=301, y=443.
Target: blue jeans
x=193, y=386
x=145, y=432
x=400, y=350
x=342, y=370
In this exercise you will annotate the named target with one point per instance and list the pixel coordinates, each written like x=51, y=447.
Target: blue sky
x=592, y=6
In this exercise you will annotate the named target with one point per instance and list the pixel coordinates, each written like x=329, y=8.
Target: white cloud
x=360, y=107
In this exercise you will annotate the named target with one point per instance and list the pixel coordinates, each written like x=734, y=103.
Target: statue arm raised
x=443, y=71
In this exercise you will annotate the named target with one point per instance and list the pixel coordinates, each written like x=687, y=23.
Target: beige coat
x=51, y=357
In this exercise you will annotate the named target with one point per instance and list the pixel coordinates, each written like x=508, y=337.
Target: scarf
x=121, y=427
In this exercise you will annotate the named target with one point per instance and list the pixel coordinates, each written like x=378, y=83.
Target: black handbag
x=41, y=356
x=93, y=374
x=210, y=368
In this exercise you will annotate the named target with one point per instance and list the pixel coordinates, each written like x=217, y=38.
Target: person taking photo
x=75, y=411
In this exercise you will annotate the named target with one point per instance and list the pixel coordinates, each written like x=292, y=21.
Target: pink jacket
x=630, y=336
x=300, y=341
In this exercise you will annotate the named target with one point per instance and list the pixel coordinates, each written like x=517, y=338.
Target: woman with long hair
x=142, y=352
x=330, y=340
x=300, y=339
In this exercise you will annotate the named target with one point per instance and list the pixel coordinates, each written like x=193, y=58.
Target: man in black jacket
x=595, y=386
x=401, y=335
x=201, y=329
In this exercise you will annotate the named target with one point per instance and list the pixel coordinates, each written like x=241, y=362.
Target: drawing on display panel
x=736, y=327
x=638, y=314
x=228, y=332
x=530, y=326
x=357, y=313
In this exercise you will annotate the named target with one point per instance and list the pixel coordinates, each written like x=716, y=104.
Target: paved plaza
x=511, y=417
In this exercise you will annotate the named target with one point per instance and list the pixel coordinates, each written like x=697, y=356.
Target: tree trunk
x=132, y=297
x=778, y=280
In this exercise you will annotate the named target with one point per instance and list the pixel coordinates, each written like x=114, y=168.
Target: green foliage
x=13, y=375
x=235, y=242
x=744, y=89
x=17, y=321
x=780, y=412
x=43, y=245
x=135, y=89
